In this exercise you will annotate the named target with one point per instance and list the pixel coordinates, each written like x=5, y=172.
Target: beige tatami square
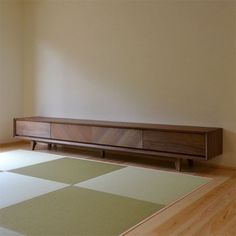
x=161, y=187
x=15, y=188
x=7, y=232
x=22, y=158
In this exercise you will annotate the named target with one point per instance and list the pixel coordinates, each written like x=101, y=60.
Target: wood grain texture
x=189, y=142
x=214, y=142
x=114, y=124
x=185, y=143
x=98, y=135
x=203, y=208
x=33, y=129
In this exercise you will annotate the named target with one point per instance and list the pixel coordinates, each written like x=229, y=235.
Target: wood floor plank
x=188, y=221
x=220, y=221
x=229, y=229
x=210, y=212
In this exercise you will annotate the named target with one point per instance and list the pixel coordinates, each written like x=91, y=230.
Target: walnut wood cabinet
x=168, y=141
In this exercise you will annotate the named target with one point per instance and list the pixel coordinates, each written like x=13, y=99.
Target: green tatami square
x=76, y=211
x=68, y=170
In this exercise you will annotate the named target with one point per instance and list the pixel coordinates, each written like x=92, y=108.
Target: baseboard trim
x=12, y=144
x=217, y=166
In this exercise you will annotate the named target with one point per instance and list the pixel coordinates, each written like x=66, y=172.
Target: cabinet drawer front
x=98, y=135
x=33, y=129
x=174, y=142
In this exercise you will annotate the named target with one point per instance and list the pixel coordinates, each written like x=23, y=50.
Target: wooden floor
x=210, y=210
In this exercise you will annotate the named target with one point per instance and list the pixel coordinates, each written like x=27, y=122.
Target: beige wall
x=126, y=60
x=11, y=65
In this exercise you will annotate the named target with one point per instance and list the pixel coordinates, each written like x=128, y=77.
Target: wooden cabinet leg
x=33, y=144
x=103, y=154
x=190, y=162
x=49, y=146
x=178, y=164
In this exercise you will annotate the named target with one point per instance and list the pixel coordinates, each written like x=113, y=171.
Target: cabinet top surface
x=147, y=126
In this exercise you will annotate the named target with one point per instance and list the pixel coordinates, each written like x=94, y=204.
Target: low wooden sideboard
x=169, y=141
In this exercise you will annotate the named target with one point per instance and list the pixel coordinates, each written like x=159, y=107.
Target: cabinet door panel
x=98, y=135
x=33, y=129
x=174, y=142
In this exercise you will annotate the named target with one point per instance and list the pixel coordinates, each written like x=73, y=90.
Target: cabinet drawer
x=33, y=129
x=98, y=135
x=174, y=142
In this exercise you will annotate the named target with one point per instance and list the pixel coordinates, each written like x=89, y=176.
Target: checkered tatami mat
x=45, y=194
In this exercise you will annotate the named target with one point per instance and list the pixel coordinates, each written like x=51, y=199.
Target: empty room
x=117, y=117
